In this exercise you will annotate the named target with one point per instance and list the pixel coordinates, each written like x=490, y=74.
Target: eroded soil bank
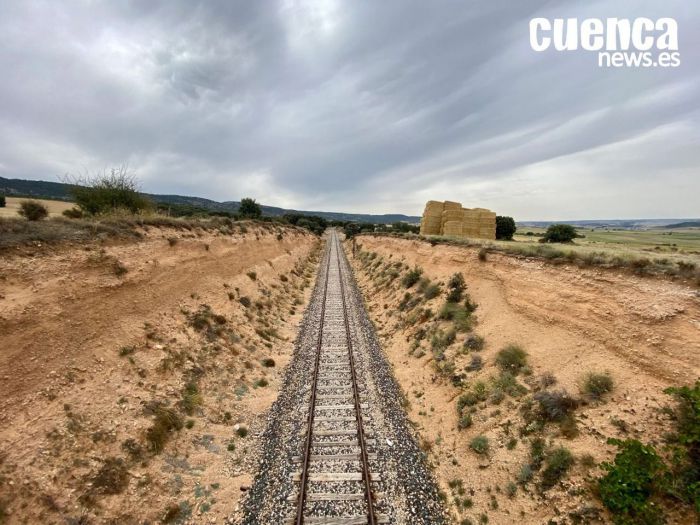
x=135, y=375
x=645, y=333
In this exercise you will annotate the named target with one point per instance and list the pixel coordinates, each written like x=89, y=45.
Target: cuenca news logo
x=620, y=42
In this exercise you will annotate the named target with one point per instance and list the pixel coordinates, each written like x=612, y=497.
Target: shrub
x=411, y=277
x=630, y=482
x=559, y=233
x=506, y=382
x=73, y=213
x=253, y=276
x=249, y=208
x=242, y=431
x=458, y=314
x=432, y=291
x=511, y=359
x=555, y=406
x=474, y=342
x=597, y=385
x=33, y=210
x=268, y=362
x=465, y=421
x=107, y=192
x=483, y=254
x=536, y=453
x=165, y=422
x=480, y=445
x=505, y=228
x=245, y=301
x=476, y=364
x=456, y=286
x=112, y=478
x=2, y=201
x=556, y=465
x=191, y=398
x=686, y=444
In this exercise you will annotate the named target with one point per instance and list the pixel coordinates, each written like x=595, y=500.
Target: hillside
x=60, y=191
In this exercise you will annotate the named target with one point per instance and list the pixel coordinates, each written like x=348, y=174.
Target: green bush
x=108, y=192
x=432, y=291
x=456, y=288
x=474, y=342
x=630, y=482
x=249, y=209
x=505, y=228
x=411, y=277
x=559, y=233
x=33, y=210
x=511, y=359
x=556, y=464
x=480, y=445
x=597, y=385
x=686, y=444
x=73, y=213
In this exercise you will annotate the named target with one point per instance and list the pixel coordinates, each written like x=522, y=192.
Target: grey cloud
x=352, y=106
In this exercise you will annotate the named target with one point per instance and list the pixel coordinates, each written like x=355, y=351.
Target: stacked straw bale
x=431, y=223
x=451, y=219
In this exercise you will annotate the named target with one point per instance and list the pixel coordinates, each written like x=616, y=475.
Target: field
x=56, y=208
x=659, y=240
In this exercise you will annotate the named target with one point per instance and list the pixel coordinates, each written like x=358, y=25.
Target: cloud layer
x=352, y=106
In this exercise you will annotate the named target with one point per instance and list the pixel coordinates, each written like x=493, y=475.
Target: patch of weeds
x=554, y=406
x=474, y=342
x=507, y=383
x=511, y=359
x=456, y=288
x=511, y=489
x=569, y=427
x=242, y=431
x=411, y=277
x=126, y=350
x=480, y=445
x=206, y=321
x=112, y=477
x=432, y=291
x=245, y=301
x=253, y=276
x=260, y=383
x=166, y=421
x=476, y=363
x=547, y=379
x=191, y=398
x=556, y=464
x=268, y=362
x=597, y=385
x=189, y=423
x=465, y=421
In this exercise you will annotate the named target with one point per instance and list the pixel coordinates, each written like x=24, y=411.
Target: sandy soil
x=645, y=332
x=56, y=208
x=88, y=357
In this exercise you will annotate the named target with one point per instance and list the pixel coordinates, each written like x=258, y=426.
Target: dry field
x=643, y=331
x=135, y=373
x=56, y=208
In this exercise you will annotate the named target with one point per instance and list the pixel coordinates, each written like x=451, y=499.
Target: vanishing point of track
x=335, y=433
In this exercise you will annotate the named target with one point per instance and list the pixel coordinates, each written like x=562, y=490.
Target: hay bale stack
x=431, y=223
x=450, y=218
x=452, y=228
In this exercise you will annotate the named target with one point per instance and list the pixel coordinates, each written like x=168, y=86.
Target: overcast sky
x=352, y=105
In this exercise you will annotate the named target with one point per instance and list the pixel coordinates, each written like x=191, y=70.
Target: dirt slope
x=645, y=332
x=131, y=373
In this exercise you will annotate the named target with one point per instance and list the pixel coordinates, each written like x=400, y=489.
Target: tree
x=505, y=228
x=559, y=233
x=33, y=210
x=250, y=209
x=2, y=201
x=106, y=192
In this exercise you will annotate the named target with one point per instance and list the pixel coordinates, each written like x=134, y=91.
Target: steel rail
x=371, y=517
x=312, y=403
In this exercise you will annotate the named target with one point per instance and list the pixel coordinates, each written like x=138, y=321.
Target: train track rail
x=335, y=483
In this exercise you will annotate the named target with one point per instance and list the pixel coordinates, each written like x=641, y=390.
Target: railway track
x=337, y=448
x=335, y=483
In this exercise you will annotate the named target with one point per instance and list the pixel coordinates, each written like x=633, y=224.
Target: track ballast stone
x=405, y=492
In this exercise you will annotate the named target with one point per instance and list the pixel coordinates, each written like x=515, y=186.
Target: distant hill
x=624, y=224
x=60, y=191
x=686, y=224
